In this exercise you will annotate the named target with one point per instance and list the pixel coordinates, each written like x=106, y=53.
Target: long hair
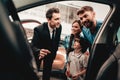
x=72, y=36
x=70, y=44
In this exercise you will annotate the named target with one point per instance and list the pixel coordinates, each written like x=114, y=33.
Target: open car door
x=104, y=61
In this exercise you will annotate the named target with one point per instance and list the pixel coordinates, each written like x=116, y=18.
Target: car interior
x=17, y=60
x=102, y=65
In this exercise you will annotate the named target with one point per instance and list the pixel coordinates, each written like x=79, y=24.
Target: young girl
x=77, y=61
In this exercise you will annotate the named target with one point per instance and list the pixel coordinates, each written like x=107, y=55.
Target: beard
x=88, y=24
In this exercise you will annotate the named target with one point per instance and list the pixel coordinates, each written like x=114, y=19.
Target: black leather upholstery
x=16, y=58
x=111, y=68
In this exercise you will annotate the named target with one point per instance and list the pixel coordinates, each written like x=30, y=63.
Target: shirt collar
x=77, y=55
x=50, y=29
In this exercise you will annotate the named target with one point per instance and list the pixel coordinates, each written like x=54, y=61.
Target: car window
x=68, y=10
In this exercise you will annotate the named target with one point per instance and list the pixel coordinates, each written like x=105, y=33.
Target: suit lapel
x=58, y=31
x=46, y=31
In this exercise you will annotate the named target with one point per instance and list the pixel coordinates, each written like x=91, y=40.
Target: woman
x=75, y=31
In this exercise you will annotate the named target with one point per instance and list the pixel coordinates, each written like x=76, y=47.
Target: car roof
x=20, y=5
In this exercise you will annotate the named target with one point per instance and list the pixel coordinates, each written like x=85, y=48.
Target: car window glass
x=68, y=10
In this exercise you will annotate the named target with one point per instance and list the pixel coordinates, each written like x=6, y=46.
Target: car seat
x=16, y=58
x=110, y=70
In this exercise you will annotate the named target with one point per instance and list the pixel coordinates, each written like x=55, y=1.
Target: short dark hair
x=83, y=42
x=83, y=9
x=51, y=11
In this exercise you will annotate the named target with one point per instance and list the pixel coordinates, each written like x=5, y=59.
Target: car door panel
x=104, y=46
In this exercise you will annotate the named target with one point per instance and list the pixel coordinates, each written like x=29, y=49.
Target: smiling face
x=77, y=44
x=53, y=17
x=54, y=22
x=76, y=28
x=87, y=18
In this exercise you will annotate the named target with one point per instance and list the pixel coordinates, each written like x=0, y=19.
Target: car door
x=105, y=41
x=104, y=46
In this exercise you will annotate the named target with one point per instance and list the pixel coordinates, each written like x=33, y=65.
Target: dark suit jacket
x=42, y=40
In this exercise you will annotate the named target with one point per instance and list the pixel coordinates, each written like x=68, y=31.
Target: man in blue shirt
x=91, y=25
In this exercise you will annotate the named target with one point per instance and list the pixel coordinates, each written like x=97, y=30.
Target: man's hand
x=43, y=53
